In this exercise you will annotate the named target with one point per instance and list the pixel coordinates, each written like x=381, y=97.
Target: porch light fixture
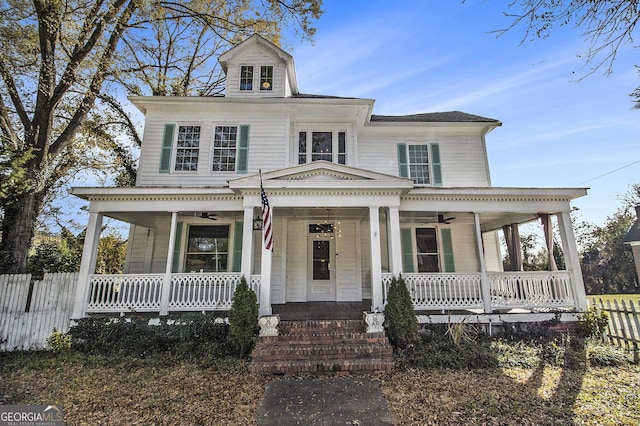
x=257, y=224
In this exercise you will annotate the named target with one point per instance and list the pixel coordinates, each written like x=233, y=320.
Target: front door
x=321, y=269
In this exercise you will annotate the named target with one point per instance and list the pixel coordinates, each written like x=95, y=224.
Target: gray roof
x=633, y=235
x=433, y=117
x=310, y=96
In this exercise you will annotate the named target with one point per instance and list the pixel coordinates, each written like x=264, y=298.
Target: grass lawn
x=143, y=393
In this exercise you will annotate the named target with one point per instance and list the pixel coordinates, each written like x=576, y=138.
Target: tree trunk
x=18, y=226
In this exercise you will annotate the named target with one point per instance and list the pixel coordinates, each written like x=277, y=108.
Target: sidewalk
x=324, y=401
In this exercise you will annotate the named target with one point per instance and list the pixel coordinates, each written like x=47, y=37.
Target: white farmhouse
x=356, y=198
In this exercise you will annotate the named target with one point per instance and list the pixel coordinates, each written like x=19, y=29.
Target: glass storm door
x=321, y=270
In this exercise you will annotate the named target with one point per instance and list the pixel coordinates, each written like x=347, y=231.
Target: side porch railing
x=143, y=292
x=507, y=290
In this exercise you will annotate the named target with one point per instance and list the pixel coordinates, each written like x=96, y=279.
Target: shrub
x=400, y=318
x=58, y=341
x=592, y=323
x=243, y=318
x=191, y=336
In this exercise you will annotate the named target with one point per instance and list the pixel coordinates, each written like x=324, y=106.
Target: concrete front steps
x=322, y=347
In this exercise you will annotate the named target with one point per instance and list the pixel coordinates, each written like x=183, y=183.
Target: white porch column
x=166, y=282
x=394, y=241
x=265, y=282
x=572, y=258
x=376, y=262
x=247, y=244
x=484, y=278
x=88, y=263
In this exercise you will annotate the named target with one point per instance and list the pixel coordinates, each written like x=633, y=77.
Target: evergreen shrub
x=400, y=318
x=243, y=318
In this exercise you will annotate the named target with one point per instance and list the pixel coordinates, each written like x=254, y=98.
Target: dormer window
x=246, y=77
x=266, y=78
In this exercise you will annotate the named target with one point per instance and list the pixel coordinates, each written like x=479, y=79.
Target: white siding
x=296, y=286
x=278, y=258
x=268, y=136
x=256, y=59
x=348, y=281
x=140, y=238
x=462, y=153
x=493, y=256
x=365, y=265
x=465, y=252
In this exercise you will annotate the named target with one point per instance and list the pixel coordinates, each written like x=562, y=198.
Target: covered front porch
x=341, y=235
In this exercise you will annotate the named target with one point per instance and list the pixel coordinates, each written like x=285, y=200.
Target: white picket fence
x=29, y=311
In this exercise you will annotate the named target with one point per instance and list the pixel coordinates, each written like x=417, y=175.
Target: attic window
x=246, y=77
x=266, y=78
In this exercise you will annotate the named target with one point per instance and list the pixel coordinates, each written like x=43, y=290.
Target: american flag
x=267, y=228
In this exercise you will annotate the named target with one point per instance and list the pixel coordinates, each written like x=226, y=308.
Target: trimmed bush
x=400, y=317
x=58, y=341
x=185, y=336
x=243, y=318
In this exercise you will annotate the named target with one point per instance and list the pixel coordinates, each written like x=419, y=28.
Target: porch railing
x=440, y=291
x=531, y=289
x=143, y=292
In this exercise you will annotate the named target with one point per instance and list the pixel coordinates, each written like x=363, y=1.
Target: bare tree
x=606, y=25
x=58, y=59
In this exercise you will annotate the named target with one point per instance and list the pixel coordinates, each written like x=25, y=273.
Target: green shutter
x=167, y=144
x=447, y=250
x=175, y=266
x=403, y=167
x=436, y=165
x=243, y=150
x=406, y=242
x=237, y=246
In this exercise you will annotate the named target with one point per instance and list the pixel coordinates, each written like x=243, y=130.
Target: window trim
x=434, y=162
x=268, y=79
x=241, y=78
x=446, y=259
x=336, y=154
x=185, y=243
x=174, y=149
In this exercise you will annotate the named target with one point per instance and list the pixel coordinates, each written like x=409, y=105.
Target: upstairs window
x=187, y=148
x=322, y=145
x=246, y=77
x=224, y=148
x=420, y=162
x=230, y=149
x=266, y=78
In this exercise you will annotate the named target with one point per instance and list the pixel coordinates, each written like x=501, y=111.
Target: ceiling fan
x=208, y=215
x=445, y=221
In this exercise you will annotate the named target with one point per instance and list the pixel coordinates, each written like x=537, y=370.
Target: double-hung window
x=246, y=77
x=322, y=145
x=207, y=249
x=426, y=250
x=420, y=162
x=187, y=148
x=266, y=77
x=230, y=148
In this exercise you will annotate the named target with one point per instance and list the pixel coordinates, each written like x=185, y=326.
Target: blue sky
x=434, y=55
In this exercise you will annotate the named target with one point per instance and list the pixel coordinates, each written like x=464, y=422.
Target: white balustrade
x=437, y=291
x=531, y=289
x=441, y=290
x=121, y=293
x=142, y=292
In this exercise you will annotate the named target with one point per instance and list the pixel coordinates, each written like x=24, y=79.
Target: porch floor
x=321, y=310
